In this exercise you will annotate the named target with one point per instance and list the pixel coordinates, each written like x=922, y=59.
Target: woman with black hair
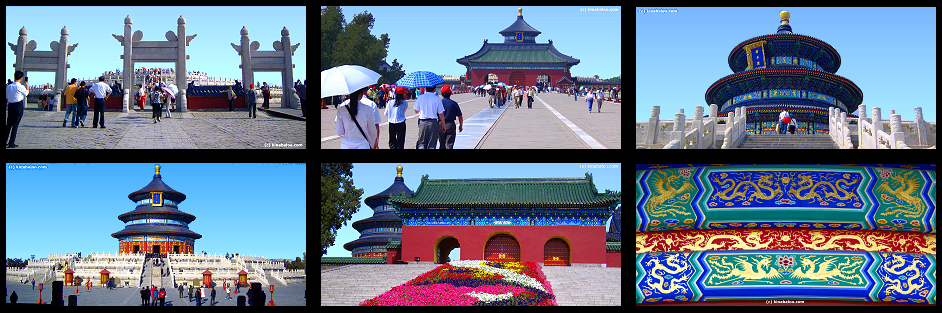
x=358, y=122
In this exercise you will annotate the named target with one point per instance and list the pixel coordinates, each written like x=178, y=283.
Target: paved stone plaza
x=571, y=126
x=291, y=295
x=136, y=130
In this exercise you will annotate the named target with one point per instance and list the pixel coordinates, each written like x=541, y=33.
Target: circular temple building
x=376, y=231
x=784, y=71
x=156, y=225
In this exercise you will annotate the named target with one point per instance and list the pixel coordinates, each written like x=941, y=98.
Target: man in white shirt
x=101, y=91
x=16, y=102
x=431, y=115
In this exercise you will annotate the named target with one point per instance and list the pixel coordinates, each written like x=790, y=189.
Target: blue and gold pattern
x=784, y=188
x=794, y=196
x=905, y=278
x=781, y=274
x=756, y=54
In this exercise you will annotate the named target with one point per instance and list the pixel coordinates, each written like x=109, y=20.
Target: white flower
x=486, y=297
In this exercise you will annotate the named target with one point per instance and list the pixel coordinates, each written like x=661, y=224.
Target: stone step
x=351, y=284
x=753, y=141
x=585, y=286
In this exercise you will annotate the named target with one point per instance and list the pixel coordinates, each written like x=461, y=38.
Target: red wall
x=220, y=102
x=477, y=75
x=614, y=259
x=586, y=243
x=196, y=103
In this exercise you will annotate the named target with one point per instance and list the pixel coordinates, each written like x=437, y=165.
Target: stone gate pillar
x=248, y=75
x=20, y=51
x=128, y=65
x=63, y=65
x=289, y=99
x=181, y=63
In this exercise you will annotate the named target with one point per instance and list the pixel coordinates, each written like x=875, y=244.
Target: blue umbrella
x=420, y=79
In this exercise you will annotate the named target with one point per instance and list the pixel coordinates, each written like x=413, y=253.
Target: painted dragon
x=657, y=206
x=676, y=282
x=846, y=272
x=814, y=193
x=765, y=182
x=753, y=242
x=743, y=269
x=869, y=242
x=908, y=192
x=895, y=285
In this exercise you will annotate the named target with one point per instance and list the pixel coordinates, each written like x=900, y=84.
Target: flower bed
x=473, y=283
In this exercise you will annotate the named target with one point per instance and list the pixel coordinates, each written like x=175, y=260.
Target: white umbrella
x=345, y=79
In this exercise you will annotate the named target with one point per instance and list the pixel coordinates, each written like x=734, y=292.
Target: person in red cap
x=250, y=100
x=396, y=115
x=447, y=139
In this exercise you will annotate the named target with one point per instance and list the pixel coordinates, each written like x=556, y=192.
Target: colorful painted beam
x=781, y=274
x=785, y=239
x=786, y=196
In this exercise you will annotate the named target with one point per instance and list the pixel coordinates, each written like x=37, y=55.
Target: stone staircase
x=753, y=141
x=576, y=285
x=351, y=284
x=585, y=286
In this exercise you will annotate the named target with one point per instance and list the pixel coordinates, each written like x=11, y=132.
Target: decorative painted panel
x=786, y=196
x=783, y=274
x=797, y=232
x=785, y=239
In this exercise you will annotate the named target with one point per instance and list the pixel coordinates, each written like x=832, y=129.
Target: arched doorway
x=556, y=253
x=443, y=248
x=543, y=80
x=502, y=248
x=518, y=78
x=491, y=78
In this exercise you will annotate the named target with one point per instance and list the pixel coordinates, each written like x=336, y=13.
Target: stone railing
x=696, y=133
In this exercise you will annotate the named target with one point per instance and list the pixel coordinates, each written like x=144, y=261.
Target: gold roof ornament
x=157, y=168
x=520, y=11
x=784, y=15
x=399, y=171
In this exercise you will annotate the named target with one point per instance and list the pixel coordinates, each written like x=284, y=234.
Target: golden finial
x=399, y=171
x=784, y=15
x=157, y=168
x=520, y=11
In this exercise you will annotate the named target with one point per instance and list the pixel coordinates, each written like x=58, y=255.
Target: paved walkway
x=136, y=130
x=585, y=286
x=291, y=295
x=556, y=121
x=352, y=284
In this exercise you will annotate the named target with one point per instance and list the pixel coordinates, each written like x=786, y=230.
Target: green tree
x=339, y=200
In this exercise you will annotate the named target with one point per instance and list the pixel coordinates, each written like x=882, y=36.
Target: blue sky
x=254, y=209
x=374, y=178
x=431, y=38
x=890, y=53
x=210, y=51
